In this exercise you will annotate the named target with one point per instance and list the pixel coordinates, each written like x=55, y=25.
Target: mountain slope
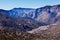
x=30, y=18
x=45, y=15
x=18, y=35
x=48, y=14
x=10, y=23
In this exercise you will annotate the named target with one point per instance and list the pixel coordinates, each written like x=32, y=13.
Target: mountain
x=10, y=23
x=45, y=15
x=30, y=24
x=22, y=12
x=29, y=17
x=48, y=14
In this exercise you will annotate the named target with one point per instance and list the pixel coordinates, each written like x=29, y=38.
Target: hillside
x=17, y=35
x=23, y=24
x=45, y=15
x=30, y=24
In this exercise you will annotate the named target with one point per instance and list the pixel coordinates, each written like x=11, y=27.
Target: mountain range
x=35, y=18
x=30, y=24
x=47, y=14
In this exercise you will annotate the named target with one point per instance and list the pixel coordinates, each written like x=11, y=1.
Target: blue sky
x=10, y=4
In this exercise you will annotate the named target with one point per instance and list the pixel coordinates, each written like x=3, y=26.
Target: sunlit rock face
x=52, y=29
x=44, y=17
x=48, y=14
x=39, y=29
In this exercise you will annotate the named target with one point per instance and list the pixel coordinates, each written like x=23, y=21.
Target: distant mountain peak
x=23, y=8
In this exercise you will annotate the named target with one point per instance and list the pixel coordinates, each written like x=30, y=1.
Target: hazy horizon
x=7, y=5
